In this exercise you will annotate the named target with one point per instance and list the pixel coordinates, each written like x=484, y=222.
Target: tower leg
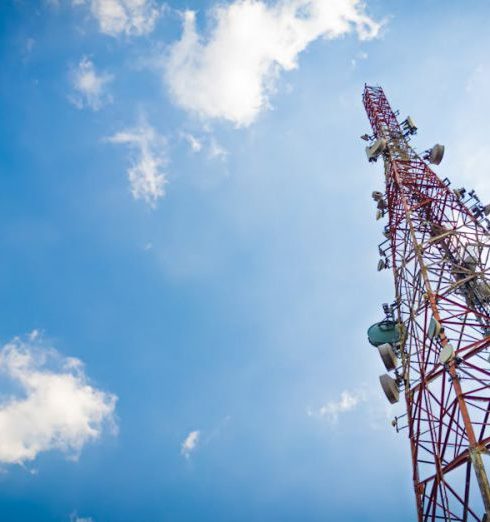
x=482, y=478
x=474, y=450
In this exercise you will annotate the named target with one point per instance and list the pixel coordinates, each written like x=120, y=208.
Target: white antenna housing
x=376, y=149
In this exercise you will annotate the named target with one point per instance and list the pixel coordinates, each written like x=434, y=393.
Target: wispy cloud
x=58, y=409
x=189, y=444
x=205, y=143
x=331, y=410
x=232, y=73
x=89, y=86
x=359, y=56
x=194, y=143
x=217, y=151
x=146, y=173
x=75, y=518
x=27, y=48
x=130, y=17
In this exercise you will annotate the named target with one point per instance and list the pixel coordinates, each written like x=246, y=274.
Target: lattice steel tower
x=435, y=336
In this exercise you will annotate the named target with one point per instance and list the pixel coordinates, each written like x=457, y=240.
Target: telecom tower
x=435, y=337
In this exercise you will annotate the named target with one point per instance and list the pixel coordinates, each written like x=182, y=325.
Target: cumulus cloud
x=90, y=87
x=57, y=410
x=231, y=74
x=130, y=17
x=189, y=444
x=146, y=173
x=331, y=410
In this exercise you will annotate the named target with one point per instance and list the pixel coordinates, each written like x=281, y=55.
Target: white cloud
x=216, y=150
x=146, y=174
x=360, y=56
x=231, y=74
x=331, y=410
x=194, y=143
x=29, y=45
x=90, y=88
x=34, y=335
x=58, y=409
x=75, y=518
x=131, y=17
x=190, y=443
x=207, y=142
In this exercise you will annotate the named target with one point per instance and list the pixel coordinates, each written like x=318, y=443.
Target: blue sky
x=190, y=344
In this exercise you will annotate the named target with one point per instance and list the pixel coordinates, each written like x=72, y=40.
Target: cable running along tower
x=434, y=339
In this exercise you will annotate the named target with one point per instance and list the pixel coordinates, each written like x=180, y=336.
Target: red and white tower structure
x=435, y=338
